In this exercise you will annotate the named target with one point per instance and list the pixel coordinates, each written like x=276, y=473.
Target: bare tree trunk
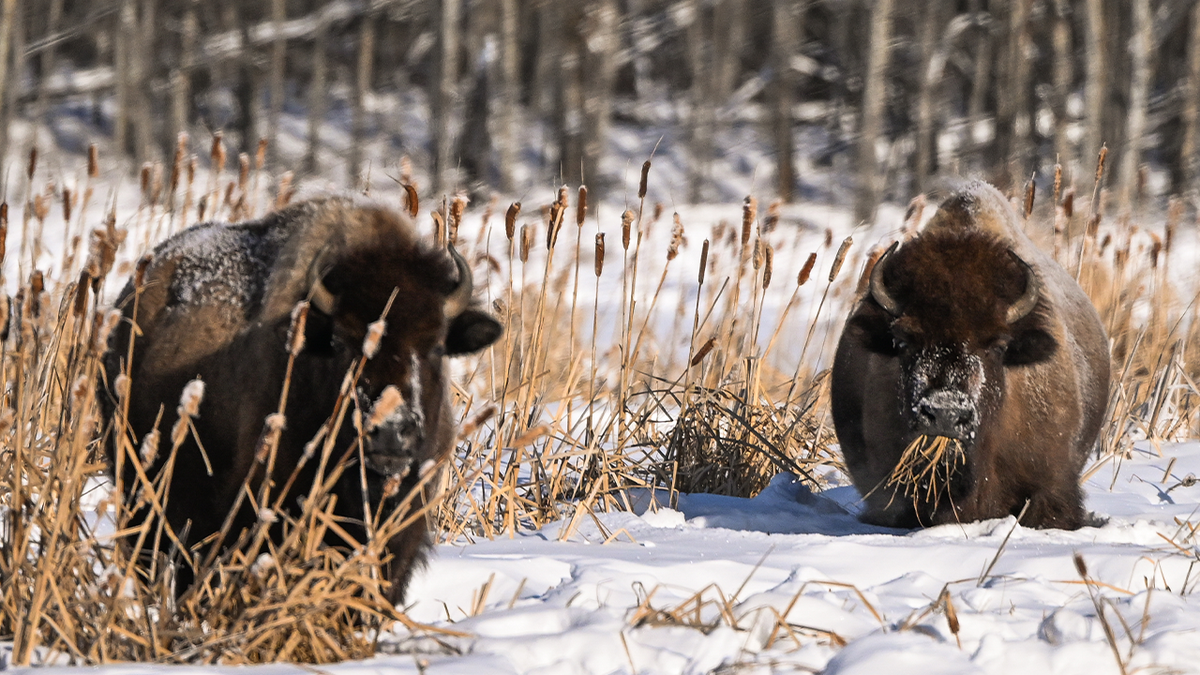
x=126, y=27
x=1139, y=96
x=1190, y=150
x=181, y=87
x=787, y=29
x=1021, y=161
x=362, y=84
x=569, y=110
x=600, y=49
x=316, y=99
x=142, y=51
x=700, y=119
x=6, y=104
x=47, y=66
x=1096, y=85
x=1063, y=78
x=980, y=85
x=931, y=26
x=506, y=127
x=278, y=59
x=871, y=126
x=444, y=97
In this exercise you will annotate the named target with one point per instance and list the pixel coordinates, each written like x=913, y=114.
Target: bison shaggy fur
x=969, y=331
x=216, y=303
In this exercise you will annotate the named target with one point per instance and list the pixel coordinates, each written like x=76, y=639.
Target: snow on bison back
x=216, y=303
x=970, y=332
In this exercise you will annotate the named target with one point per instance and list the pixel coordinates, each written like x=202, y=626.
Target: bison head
x=958, y=311
x=424, y=299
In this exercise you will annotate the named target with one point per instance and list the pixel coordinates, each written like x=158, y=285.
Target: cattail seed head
x=828, y=237
x=676, y=238
x=526, y=241
x=1057, y=182
x=749, y=213
x=121, y=386
x=105, y=323
x=260, y=155
x=81, y=388
x=840, y=258
x=774, y=212
x=626, y=226
x=768, y=264
x=510, y=219
x=1080, y=566
x=33, y=157
x=477, y=420
x=1030, y=192
x=703, y=351
x=1093, y=226
x=599, y=254
x=563, y=197
x=243, y=171
x=375, y=333
x=66, y=197
x=1068, y=203
x=1156, y=246
x=189, y=401
x=149, y=450
x=658, y=211
x=297, y=328
x=216, y=152
x=391, y=486
x=645, y=178
x=703, y=262
x=1100, y=162
x=581, y=206
x=411, y=201
x=806, y=271
x=93, y=163
x=385, y=405
x=79, y=305
x=41, y=207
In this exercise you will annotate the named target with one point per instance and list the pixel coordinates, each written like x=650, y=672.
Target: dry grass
x=925, y=468
x=683, y=379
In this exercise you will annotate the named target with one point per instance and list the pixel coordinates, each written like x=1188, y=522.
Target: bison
x=215, y=302
x=970, y=332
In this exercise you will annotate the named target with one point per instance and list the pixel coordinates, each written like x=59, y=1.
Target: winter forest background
x=503, y=95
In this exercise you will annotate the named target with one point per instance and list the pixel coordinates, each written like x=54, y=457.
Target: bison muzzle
x=969, y=332
x=215, y=302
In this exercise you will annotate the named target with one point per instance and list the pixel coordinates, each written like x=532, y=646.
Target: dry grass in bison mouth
x=925, y=468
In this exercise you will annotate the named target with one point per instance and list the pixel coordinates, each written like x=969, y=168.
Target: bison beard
x=216, y=303
x=969, y=332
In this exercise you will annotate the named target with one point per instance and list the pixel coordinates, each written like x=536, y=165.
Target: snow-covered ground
x=778, y=583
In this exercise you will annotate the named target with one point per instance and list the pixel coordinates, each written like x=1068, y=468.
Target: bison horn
x=878, y=289
x=460, y=297
x=1029, y=299
x=318, y=294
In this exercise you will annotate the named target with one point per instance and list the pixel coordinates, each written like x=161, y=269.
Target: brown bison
x=216, y=302
x=970, y=332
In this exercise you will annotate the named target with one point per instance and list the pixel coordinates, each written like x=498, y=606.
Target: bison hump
x=215, y=264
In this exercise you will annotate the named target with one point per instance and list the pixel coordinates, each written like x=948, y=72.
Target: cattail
x=703, y=262
x=243, y=171
x=626, y=225
x=1093, y=225
x=774, y=211
x=644, y=180
x=375, y=331
x=599, y=254
x=411, y=201
x=1156, y=246
x=391, y=486
x=840, y=258
x=658, y=211
x=456, y=211
x=260, y=155
x=217, y=152
x=676, y=238
x=581, y=206
x=1068, y=203
x=121, y=386
x=563, y=197
x=385, y=405
x=93, y=162
x=1106, y=243
x=864, y=279
x=553, y=222
x=768, y=263
x=149, y=450
x=828, y=237
x=1030, y=191
x=66, y=197
x=41, y=206
x=757, y=258
x=189, y=401
x=526, y=239
x=1142, y=175
x=510, y=219
x=156, y=183
x=33, y=157
x=1174, y=215
x=477, y=420
x=295, y=336
x=1080, y=566
x=703, y=351
x=749, y=213
x=79, y=305
x=1057, y=182
x=285, y=190
x=805, y=271
x=1100, y=162
x=104, y=324
x=80, y=389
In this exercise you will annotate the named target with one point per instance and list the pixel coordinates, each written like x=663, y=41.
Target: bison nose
x=946, y=415
x=393, y=444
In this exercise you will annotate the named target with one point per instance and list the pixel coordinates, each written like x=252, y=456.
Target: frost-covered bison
x=216, y=303
x=970, y=332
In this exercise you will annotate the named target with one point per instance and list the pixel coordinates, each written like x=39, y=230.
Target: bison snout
x=946, y=413
x=392, y=446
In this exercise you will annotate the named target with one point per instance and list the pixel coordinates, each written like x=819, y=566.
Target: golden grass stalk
x=924, y=470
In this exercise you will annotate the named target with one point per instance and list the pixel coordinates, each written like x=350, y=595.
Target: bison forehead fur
x=216, y=303
x=970, y=331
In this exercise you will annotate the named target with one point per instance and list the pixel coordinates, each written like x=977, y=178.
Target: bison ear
x=1029, y=347
x=471, y=331
x=318, y=333
x=873, y=333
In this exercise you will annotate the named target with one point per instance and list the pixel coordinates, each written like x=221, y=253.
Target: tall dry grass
x=629, y=372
